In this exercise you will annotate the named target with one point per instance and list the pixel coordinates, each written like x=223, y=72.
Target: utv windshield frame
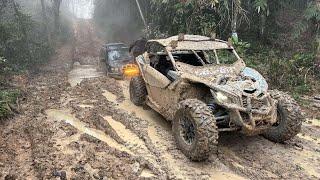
x=164, y=47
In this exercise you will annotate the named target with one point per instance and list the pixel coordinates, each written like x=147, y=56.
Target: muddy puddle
x=81, y=72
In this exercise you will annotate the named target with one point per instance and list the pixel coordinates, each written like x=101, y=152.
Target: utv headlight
x=222, y=98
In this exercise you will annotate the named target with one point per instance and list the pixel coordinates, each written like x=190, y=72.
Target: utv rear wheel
x=138, y=91
x=289, y=118
x=194, y=129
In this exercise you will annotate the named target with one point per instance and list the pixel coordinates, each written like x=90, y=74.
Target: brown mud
x=78, y=124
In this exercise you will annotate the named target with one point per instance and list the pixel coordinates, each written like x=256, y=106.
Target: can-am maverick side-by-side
x=204, y=87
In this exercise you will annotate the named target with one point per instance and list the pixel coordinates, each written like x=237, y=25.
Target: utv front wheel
x=138, y=91
x=194, y=129
x=289, y=118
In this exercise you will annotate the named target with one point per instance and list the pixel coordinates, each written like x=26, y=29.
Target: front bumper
x=254, y=115
x=117, y=75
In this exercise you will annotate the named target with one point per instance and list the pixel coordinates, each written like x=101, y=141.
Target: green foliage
x=4, y=66
x=261, y=5
x=173, y=17
x=22, y=42
x=241, y=47
x=311, y=18
x=7, y=99
x=25, y=42
x=312, y=12
x=294, y=74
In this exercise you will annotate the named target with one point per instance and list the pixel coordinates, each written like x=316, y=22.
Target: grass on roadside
x=8, y=99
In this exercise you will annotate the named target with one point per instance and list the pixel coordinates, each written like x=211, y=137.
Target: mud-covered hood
x=249, y=82
x=210, y=73
x=236, y=79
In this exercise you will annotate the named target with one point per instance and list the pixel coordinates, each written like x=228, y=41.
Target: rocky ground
x=75, y=123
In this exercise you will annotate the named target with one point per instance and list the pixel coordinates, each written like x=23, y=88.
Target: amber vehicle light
x=130, y=71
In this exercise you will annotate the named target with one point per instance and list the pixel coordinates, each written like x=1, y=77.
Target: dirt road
x=78, y=124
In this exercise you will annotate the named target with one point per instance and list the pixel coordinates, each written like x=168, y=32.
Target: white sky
x=82, y=8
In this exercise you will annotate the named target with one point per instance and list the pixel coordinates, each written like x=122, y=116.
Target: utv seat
x=172, y=75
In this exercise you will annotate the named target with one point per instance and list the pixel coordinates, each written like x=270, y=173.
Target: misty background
x=118, y=20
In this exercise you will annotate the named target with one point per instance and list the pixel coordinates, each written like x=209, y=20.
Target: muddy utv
x=204, y=88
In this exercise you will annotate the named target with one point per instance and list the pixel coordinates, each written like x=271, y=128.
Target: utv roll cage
x=184, y=45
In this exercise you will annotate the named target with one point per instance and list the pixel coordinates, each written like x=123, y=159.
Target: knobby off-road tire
x=289, y=118
x=138, y=91
x=205, y=139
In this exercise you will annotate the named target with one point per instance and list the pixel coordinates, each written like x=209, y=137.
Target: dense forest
x=279, y=38
x=29, y=32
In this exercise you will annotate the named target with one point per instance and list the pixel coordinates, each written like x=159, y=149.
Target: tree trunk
x=262, y=25
x=317, y=60
x=45, y=21
x=317, y=4
x=22, y=28
x=141, y=14
x=56, y=11
x=318, y=36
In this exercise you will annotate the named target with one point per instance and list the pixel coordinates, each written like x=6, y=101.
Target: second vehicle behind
x=116, y=56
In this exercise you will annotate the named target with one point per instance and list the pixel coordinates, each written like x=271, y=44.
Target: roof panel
x=192, y=42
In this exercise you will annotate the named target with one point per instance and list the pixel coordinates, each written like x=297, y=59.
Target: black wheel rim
x=187, y=130
x=279, y=119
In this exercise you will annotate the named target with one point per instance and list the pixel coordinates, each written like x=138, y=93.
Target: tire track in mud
x=119, y=137
x=132, y=145
x=60, y=115
x=259, y=158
